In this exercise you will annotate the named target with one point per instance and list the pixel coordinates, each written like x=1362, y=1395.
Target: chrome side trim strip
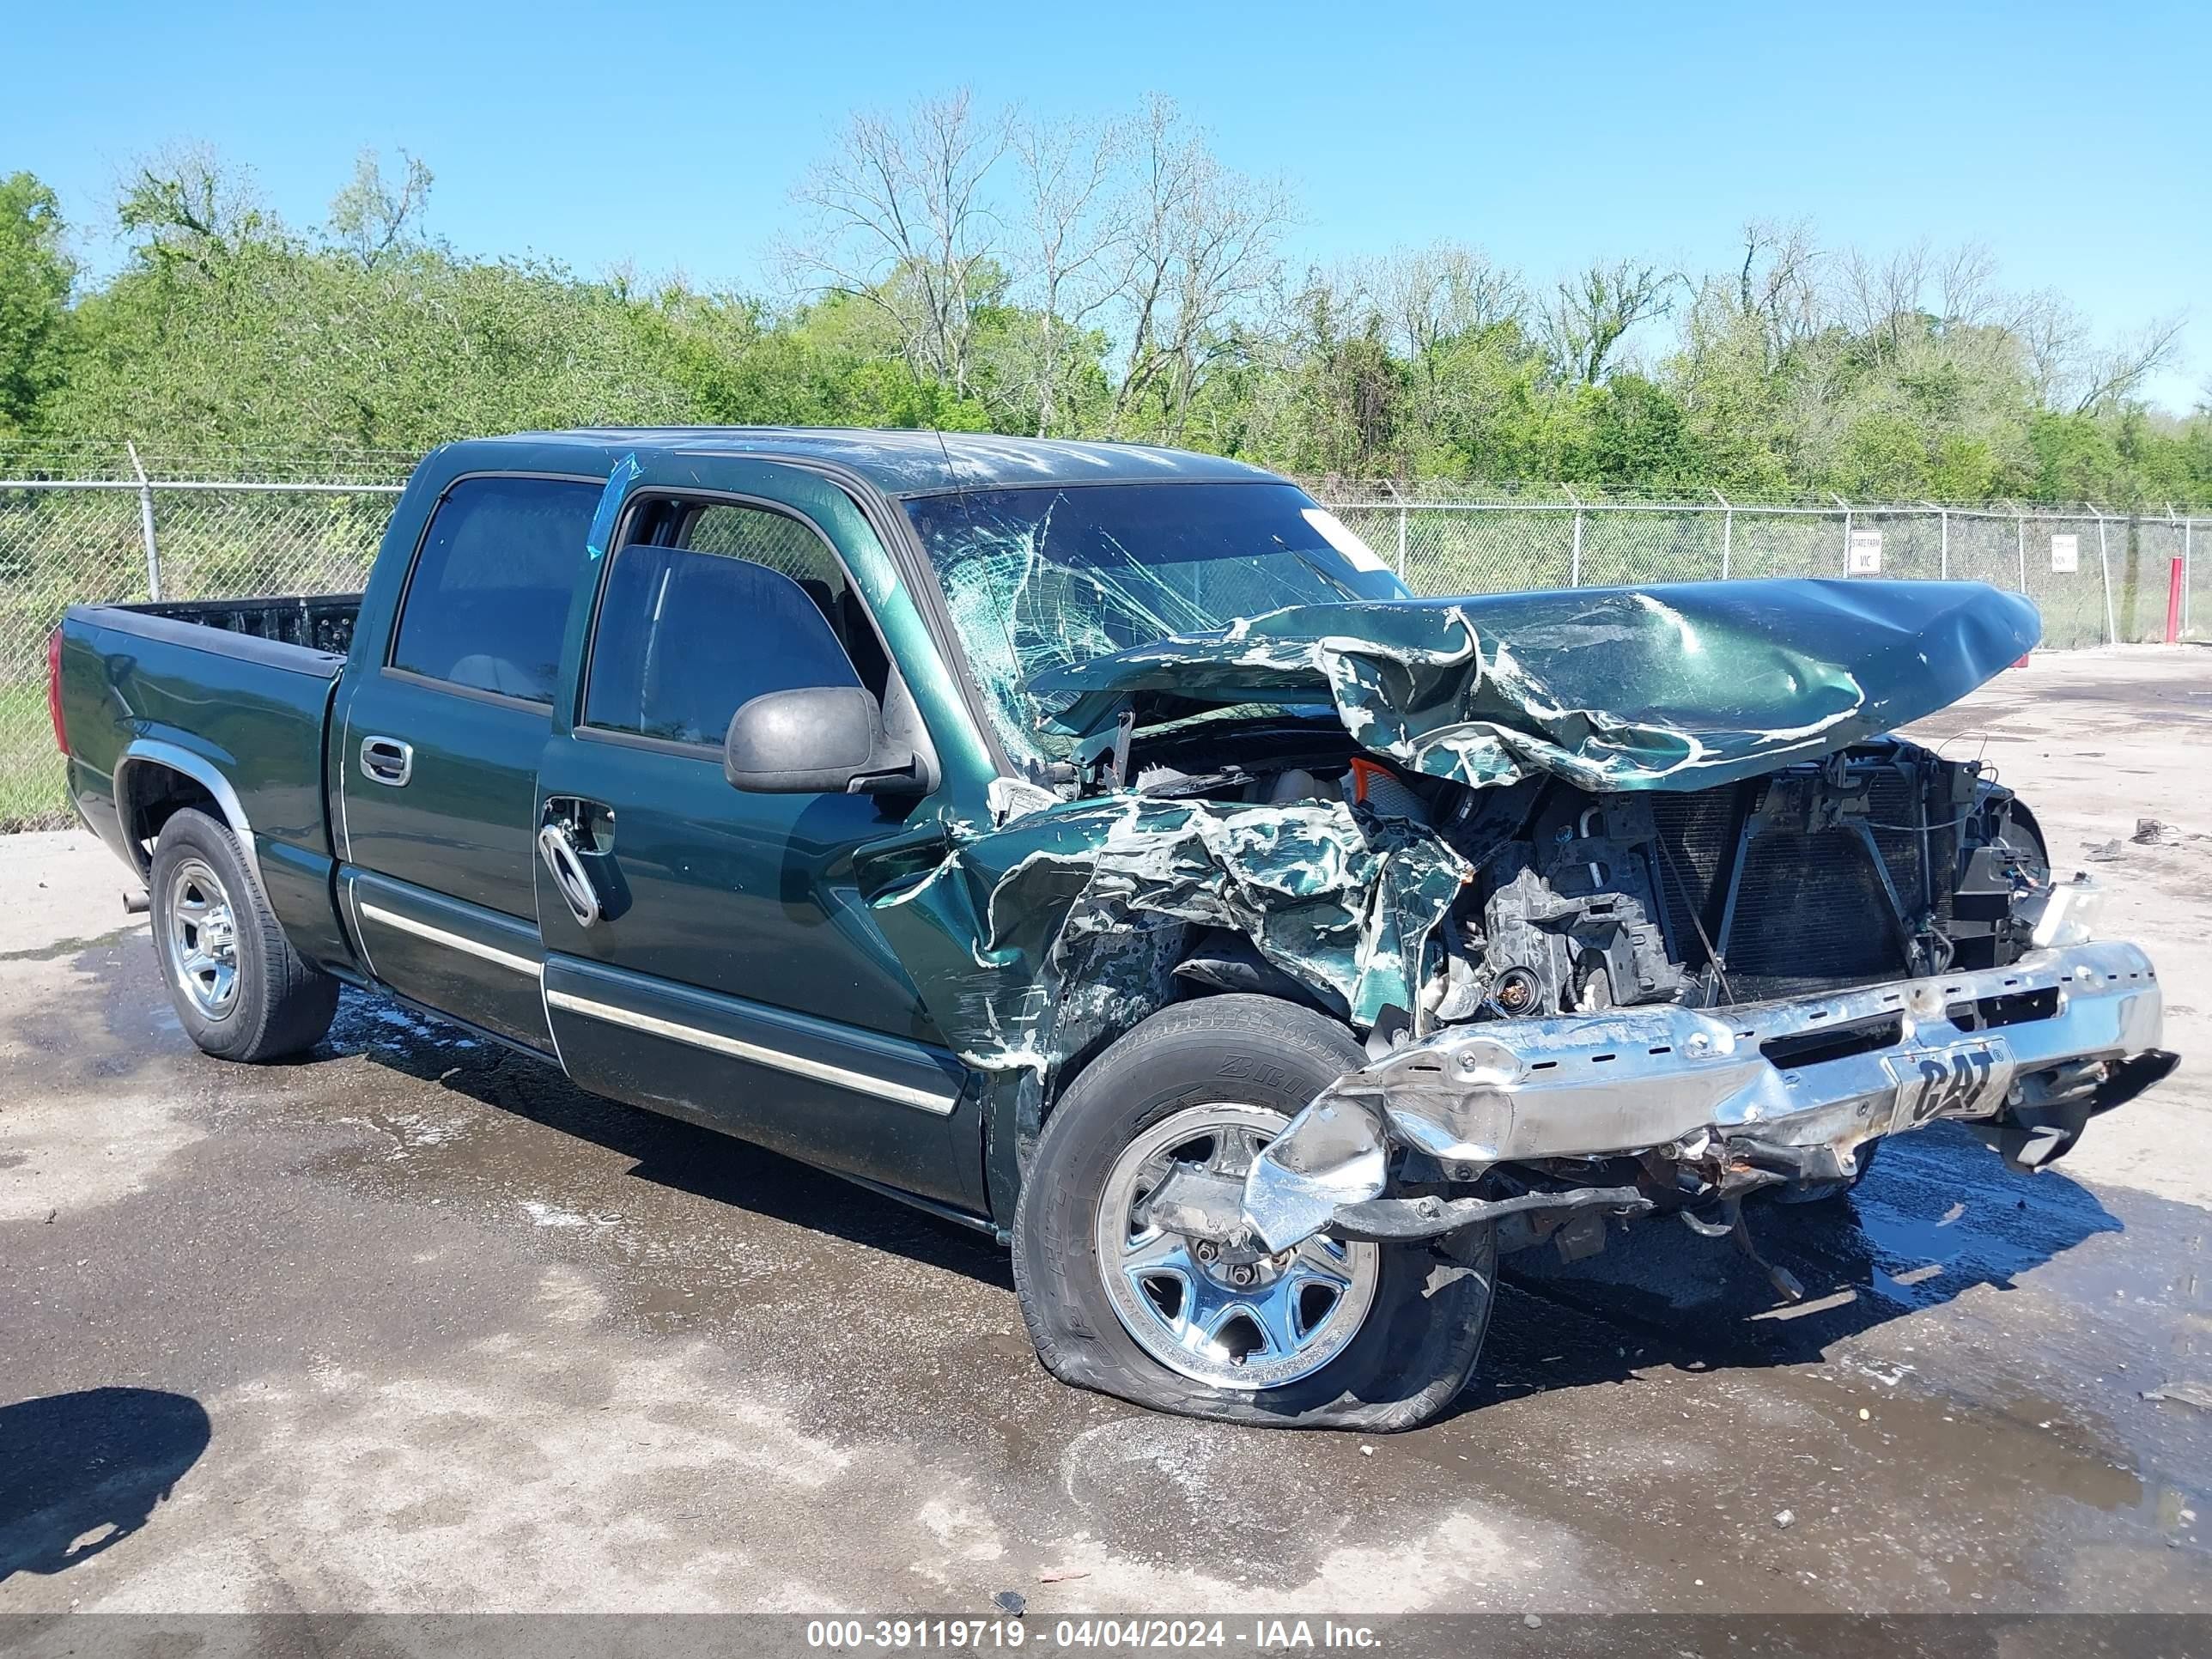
x=859, y=1082
x=440, y=936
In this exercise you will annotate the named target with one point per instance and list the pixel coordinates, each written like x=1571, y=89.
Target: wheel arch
x=1105, y=1034
x=154, y=780
x=2021, y=812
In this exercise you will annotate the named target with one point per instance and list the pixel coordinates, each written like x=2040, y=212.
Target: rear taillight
x=54, y=690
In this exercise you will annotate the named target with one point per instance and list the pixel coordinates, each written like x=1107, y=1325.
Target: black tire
x=1827, y=1192
x=280, y=1004
x=1424, y=1330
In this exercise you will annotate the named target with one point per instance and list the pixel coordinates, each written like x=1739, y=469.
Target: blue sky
x=2072, y=139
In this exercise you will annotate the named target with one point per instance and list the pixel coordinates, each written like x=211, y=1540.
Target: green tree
x=1115, y=281
x=1635, y=436
x=36, y=273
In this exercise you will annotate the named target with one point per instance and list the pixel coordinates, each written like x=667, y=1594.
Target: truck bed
x=228, y=695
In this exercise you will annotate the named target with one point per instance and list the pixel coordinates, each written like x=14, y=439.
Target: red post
x=2173, y=601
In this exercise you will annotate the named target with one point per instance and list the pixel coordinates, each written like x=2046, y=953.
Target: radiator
x=1810, y=912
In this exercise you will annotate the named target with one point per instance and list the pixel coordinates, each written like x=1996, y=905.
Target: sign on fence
x=1865, y=553
x=2066, y=554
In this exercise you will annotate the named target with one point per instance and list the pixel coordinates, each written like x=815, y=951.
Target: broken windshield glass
x=1040, y=578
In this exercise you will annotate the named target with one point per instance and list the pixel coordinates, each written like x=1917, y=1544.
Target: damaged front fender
x=1014, y=920
x=1037, y=940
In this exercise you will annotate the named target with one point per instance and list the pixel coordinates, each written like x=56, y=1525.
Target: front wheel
x=1328, y=1334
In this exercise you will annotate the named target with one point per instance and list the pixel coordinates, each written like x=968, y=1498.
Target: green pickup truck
x=1099, y=846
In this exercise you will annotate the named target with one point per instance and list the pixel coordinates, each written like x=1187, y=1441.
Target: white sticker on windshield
x=1345, y=540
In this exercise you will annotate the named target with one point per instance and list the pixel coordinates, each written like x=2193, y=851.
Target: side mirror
x=817, y=739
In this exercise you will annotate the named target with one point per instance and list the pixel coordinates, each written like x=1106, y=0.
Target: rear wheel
x=241, y=992
x=1329, y=1334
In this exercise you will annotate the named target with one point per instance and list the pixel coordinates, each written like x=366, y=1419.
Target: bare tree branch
x=1965, y=286
x=1075, y=231
x=900, y=221
x=1597, y=306
x=372, y=215
x=1878, y=300
x=1779, y=284
x=1442, y=292
x=2070, y=372
x=2119, y=371
x=2054, y=337
x=1200, y=247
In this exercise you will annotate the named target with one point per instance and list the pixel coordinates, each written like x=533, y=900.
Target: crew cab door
x=435, y=742
x=707, y=953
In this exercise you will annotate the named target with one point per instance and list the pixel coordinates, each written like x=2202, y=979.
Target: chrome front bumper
x=1828, y=1071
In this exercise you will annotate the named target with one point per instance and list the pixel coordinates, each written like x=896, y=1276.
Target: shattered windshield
x=1038, y=578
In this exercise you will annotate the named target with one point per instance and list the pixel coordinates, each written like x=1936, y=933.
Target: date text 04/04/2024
x=1259, y=1635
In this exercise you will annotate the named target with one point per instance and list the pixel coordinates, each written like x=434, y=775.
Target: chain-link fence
x=113, y=533
x=2097, y=577
x=86, y=541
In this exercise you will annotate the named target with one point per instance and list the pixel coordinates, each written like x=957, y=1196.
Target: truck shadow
x=1940, y=1215
x=81, y=1472
x=667, y=1152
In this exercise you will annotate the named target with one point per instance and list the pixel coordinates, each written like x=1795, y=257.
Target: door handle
x=388, y=759
x=556, y=845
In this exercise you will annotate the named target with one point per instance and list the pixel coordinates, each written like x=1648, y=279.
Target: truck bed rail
x=319, y=621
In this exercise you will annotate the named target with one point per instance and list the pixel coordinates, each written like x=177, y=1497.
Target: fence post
x=2020, y=545
x=146, y=525
x=1575, y=567
x=2105, y=566
x=1728, y=531
x=1944, y=543
x=1401, y=541
x=2188, y=570
x=1846, y=505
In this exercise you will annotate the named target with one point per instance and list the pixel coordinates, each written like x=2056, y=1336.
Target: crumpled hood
x=1681, y=686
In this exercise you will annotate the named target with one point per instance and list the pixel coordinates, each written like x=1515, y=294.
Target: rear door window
x=729, y=603
x=488, y=602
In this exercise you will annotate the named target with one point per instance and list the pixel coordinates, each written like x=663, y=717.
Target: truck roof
x=909, y=463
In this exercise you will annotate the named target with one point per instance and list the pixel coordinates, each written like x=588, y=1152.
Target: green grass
x=32, y=792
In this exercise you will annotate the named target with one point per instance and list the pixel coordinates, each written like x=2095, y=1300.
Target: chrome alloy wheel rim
x=203, y=938
x=1229, y=1314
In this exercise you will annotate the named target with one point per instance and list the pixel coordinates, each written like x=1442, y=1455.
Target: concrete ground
x=413, y=1325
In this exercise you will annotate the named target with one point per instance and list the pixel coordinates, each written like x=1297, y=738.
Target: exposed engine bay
x=1882, y=861
x=1643, y=1001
